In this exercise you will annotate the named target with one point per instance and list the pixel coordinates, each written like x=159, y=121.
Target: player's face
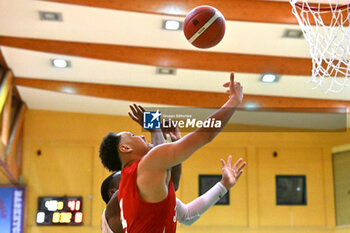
x=139, y=143
x=114, y=186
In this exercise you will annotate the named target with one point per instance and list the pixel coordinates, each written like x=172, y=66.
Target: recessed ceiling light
x=250, y=105
x=172, y=25
x=60, y=63
x=293, y=33
x=68, y=90
x=50, y=16
x=268, y=78
x=169, y=71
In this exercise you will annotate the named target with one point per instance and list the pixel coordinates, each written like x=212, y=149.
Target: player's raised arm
x=179, y=151
x=189, y=213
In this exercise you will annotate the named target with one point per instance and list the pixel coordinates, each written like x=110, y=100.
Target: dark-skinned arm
x=158, y=137
x=173, y=134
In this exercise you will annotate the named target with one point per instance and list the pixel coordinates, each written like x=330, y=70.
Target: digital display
x=59, y=211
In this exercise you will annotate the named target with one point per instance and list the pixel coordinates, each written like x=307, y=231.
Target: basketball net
x=326, y=29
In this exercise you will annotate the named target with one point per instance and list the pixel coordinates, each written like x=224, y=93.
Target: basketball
x=204, y=27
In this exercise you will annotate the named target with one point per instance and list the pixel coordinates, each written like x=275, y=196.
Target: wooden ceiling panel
x=182, y=97
x=239, y=10
x=3, y=61
x=186, y=59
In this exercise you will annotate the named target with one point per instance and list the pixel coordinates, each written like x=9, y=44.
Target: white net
x=326, y=29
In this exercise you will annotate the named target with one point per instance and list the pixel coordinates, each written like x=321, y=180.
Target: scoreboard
x=59, y=211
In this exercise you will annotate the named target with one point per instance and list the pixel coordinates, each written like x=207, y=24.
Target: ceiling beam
x=3, y=61
x=174, y=58
x=182, y=97
x=243, y=10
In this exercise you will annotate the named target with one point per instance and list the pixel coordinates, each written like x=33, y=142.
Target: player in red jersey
x=146, y=193
x=186, y=214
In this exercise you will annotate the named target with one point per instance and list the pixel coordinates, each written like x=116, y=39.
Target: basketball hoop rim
x=317, y=8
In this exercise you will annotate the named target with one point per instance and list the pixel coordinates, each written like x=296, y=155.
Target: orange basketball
x=204, y=27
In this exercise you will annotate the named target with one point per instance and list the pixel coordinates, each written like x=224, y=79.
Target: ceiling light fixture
x=60, y=63
x=168, y=71
x=69, y=90
x=249, y=105
x=172, y=25
x=268, y=78
x=50, y=16
x=293, y=33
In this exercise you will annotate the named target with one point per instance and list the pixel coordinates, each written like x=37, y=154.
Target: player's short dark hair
x=109, y=152
x=105, y=187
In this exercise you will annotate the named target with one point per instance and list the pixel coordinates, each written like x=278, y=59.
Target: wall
x=341, y=166
x=69, y=165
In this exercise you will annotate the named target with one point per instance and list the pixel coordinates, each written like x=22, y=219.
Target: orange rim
x=324, y=8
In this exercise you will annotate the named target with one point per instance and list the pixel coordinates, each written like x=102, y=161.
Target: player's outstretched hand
x=235, y=89
x=137, y=113
x=171, y=131
x=230, y=174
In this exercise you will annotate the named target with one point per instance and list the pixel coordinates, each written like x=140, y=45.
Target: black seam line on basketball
x=202, y=29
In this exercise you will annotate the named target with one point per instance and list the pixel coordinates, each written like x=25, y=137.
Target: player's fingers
x=222, y=162
x=237, y=163
x=172, y=135
x=167, y=136
x=132, y=109
x=132, y=116
x=143, y=110
x=229, y=160
x=226, y=84
x=137, y=109
x=239, y=174
x=242, y=166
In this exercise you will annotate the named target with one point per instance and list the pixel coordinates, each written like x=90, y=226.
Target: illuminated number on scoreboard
x=71, y=205
x=77, y=205
x=59, y=210
x=60, y=205
x=56, y=217
x=62, y=217
x=66, y=217
x=74, y=205
x=78, y=218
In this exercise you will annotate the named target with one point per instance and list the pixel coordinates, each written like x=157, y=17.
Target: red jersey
x=138, y=216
